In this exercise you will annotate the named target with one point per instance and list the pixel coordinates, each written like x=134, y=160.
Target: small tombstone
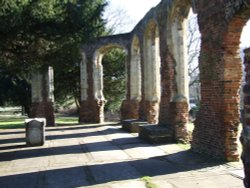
x=35, y=131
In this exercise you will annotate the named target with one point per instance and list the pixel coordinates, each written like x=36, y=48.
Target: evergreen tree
x=39, y=33
x=114, y=79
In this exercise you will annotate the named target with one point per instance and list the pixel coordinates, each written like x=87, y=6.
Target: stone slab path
x=104, y=156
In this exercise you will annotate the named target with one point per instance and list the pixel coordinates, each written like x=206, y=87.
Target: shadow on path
x=96, y=172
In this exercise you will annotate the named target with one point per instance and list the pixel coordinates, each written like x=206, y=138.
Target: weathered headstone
x=35, y=131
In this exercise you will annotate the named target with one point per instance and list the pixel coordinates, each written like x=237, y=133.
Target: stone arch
x=98, y=73
x=135, y=70
x=152, y=85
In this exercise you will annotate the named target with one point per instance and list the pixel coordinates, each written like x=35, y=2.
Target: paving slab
x=142, y=151
x=207, y=181
x=23, y=180
x=65, y=177
x=108, y=172
x=103, y=155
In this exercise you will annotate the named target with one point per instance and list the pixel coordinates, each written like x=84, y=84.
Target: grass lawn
x=16, y=122
x=66, y=120
x=11, y=122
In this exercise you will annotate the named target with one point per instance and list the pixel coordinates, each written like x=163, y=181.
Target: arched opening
x=109, y=78
x=193, y=51
x=152, y=86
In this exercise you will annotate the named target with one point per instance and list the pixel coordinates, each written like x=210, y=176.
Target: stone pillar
x=92, y=99
x=130, y=106
x=245, y=135
x=179, y=104
x=152, y=76
x=43, y=96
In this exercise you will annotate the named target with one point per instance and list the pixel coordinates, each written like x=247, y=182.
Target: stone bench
x=156, y=134
x=133, y=125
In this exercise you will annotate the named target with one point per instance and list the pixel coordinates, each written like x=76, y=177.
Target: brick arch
x=152, y=85
x=216, y=126
x=237, y=16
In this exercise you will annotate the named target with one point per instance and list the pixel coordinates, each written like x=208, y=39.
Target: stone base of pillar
x=43, y=110
x=92, y=111
x=130, y=109
x=179, y=119
x=152, y=109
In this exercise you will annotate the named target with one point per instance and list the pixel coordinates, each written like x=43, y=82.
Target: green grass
x=66, y=120
x=11, y=122
x=148, y=182
x=184, y=146
x=15, y=122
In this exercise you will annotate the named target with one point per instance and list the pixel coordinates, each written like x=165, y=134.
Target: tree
x=114, y=79
x=117, y=20
x=38, y=33
x=114, y=61
x=15, y=90
x=194, y=42
x=38, y=28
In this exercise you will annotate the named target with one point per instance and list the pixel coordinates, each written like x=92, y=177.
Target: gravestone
x=35, y=131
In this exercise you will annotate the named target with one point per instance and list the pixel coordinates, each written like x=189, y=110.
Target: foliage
x=30, y=31
x=114, y=78
x=38, y=33
x=15, y=89
x=148, y=182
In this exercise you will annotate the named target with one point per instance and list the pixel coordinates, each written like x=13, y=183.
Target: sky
x=130, y=12
x=245, y=39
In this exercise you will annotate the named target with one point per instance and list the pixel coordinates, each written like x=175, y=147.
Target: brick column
x=179, y=119
x=92, y=111
x=245, y=136
x=217, y=122
x=175, y=91
x=130, y=109
x=43, y=96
